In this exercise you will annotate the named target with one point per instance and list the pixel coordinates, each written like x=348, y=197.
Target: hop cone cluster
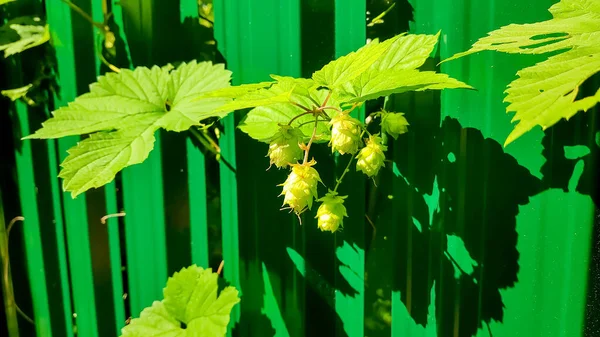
x=371, y=157
x=300, y=187
x=345, y=134
x=283, y=148
x=394, y=124
x=332, y=211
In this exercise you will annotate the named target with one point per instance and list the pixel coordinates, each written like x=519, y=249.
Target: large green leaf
x=547, y=92
x=383, y=83
x=348, y=67
x=395, y=71
x=191, y=307
x=126, y=109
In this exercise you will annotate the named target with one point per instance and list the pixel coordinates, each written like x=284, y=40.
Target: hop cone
x=345, y=134
x=300, y=187
x=371, y=158
x=394, y=124
x=332, y=211
x=284, y=149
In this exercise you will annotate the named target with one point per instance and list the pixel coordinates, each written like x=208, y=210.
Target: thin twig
x=339, y=180
x=220, y=269
x=108, y=216
x=302, y=124
x=314, y=134
x=301, y=106
x=298, y=116
x=7, y=266
x=317, y=104
x=326, y=100
x=216, y=151
x=330, y=107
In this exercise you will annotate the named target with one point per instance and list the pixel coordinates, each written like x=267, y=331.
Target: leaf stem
x=302, y=124
x=298, y=116
x=346, y=170
x=312, y=138
x=301, y=106
x=326, y=100
x=330, y=107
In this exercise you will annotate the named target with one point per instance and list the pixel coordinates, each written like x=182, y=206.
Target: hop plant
x=332, y=211
x=394, y=124
x=345, y=134
x=283, y=148
x=371, y=158
x=300, y=187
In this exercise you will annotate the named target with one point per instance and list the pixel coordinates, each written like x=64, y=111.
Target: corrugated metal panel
x=458, y=237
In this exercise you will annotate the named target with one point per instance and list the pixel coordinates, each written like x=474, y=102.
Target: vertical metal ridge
x=31, y=228
x=59, y=19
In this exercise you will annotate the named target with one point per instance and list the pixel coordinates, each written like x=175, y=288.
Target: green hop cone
x=394, y=124
x=332, y=211
x=283, y=148
x=345, y=134
x=371, y=157
x=300, y=187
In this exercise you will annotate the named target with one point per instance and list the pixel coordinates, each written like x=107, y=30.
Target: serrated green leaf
x=2, y=2
x=547, y=92
x=395, y=71
x=383, y=83
x=96, y=160
x=154, y=321
x=29, y=36
x=15, y=94
x=348, y=67
x=190, y=307
x=127, y=108
x=262, y=123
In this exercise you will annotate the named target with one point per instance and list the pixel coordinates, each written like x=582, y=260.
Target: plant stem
x=339, y=180
x=326, y=100
x=301, y=106
x=314, y=134
x=298, y=116
x=302, y=124
x=330, y=107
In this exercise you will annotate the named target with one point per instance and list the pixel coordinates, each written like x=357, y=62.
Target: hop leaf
x=123, y=111
x=284, y=149
x=191, y=307
x=548, y=91
x=345, y=134
x=332, y=211
x=300, y=187
x=371, y=158
x=394, y=124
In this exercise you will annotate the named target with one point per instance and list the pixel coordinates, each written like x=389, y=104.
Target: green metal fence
x=459, y=237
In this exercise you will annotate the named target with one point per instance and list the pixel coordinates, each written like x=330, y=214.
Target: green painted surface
x=75, y=214
x=145, y=231
x=196, y=177
x=60, y=239
x=143, y=201
x=350, y=34
x=31, y=229
x=465, y=230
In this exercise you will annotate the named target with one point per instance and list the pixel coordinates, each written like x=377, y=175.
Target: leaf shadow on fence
x=452, y=220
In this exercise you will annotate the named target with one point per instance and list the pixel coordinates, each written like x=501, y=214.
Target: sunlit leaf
x=126, y=109
x=547, y=92
x=29, y=36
